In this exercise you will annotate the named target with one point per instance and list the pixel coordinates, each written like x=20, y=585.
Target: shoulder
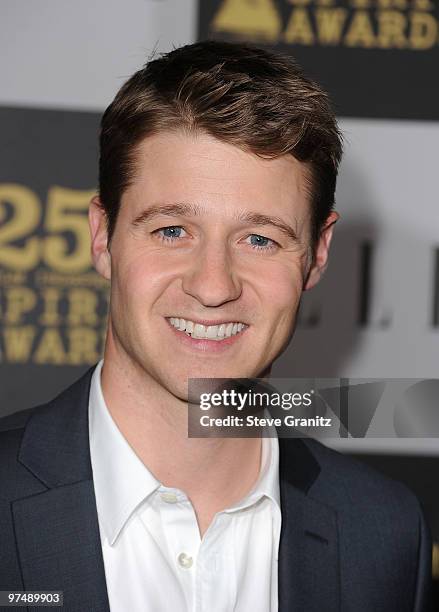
x=362, y=494
x=43, y=426
x=12, y=427
x=15, y=421
x=381, y=525
x=18, y=421
x=15, y=480
x=352, y=479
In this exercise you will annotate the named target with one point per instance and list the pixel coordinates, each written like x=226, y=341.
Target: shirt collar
x=267, y=484
x=122, y=481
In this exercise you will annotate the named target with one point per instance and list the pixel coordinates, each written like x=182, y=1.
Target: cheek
x=281, y=287
x=142, y=277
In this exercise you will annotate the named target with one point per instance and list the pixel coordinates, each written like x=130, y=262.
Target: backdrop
x=375, y=314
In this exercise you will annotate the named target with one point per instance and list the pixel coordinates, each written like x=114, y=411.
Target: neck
x=214, y=473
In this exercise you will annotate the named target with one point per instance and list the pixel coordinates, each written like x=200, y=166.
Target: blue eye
x=174, y=231
x=170, y=234
x=257, y=240
x=262, y=243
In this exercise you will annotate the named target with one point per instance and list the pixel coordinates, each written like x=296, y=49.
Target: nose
x=211, y=278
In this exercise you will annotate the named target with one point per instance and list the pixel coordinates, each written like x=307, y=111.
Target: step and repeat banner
x=376, y=312
x=53, y=304
x=377, y=57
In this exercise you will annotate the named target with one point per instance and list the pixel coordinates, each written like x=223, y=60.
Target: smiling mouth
x=219, y=331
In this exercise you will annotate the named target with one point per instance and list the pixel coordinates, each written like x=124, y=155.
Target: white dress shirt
x=154, y=558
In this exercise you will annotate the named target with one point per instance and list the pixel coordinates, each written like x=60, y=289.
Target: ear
x=320, y=259
x=98, y=232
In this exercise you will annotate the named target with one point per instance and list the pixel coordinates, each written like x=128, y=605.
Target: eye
x=169, y=233
x=262, y=242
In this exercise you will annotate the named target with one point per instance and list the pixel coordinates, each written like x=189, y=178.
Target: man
x=215, y=211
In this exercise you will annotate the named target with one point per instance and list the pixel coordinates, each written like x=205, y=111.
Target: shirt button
x=169, y=498
x=185, y=561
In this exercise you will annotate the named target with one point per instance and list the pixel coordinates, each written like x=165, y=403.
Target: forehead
x=198, y=168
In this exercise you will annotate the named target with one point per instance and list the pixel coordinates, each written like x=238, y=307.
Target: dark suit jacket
x=351, y=540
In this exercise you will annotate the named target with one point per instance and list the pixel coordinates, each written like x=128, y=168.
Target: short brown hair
x=255, y=99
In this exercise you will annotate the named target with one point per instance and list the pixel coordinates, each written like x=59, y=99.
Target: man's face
x=214, y=236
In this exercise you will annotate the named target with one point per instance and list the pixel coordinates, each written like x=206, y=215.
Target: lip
x=205, y=345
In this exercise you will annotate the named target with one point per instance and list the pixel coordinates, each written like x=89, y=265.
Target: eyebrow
x=193, y=210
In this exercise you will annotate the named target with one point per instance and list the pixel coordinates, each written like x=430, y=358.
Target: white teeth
x=199, y=331
x=229, y=329
x=212, y=332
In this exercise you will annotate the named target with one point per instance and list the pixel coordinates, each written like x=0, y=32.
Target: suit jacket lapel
x=308, y=552
x=57, y=530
